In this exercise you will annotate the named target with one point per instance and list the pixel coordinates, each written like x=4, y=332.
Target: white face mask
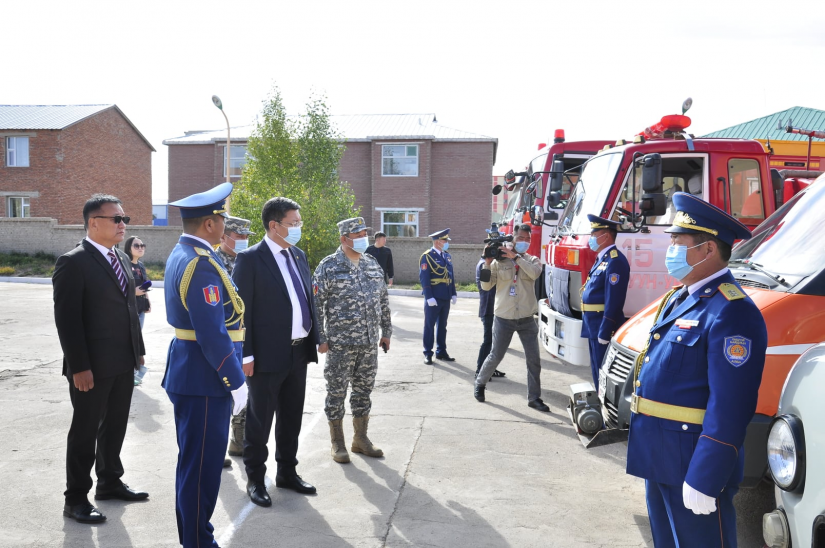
x=360, y=245
x=240, y=245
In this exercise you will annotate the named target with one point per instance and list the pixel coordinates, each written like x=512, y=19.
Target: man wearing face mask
x=352, y=302
x=513, y=277
x=604, y=292
x=438, y=287
x=696, y=384
x=273, y=278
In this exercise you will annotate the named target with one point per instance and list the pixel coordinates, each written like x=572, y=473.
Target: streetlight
x=217, y=101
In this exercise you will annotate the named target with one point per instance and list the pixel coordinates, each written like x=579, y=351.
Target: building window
x=17, y=151
x=17, y=207
x=400, y=224
x=236, y=161
x=399, y=161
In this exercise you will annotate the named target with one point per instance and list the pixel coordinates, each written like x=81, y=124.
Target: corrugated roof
x=33, y=117
x=767, y=126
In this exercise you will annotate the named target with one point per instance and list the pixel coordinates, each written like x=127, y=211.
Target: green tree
x=296, y=157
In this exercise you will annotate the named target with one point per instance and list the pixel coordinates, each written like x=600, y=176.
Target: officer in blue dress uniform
x=203, y=368
x=438, y=287
x=604, y=292
x=696, y=385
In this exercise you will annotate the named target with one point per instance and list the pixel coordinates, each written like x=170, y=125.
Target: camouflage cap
x=348, y=226
x=238, y=225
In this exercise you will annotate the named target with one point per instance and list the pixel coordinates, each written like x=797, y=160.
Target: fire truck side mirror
x=553, y=199
x=653, y=205
x=497, y=190
x=557, y=176
x=652, y=173
x=536, y=216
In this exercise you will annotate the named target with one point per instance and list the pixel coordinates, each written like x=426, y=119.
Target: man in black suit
x=273, y=279
x=97, y=323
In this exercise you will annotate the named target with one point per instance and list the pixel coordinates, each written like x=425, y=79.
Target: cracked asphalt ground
x=456, y=473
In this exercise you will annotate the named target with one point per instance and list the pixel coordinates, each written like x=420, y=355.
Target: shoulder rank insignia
x=202, y=252
x=614, y=254
x=731, y=292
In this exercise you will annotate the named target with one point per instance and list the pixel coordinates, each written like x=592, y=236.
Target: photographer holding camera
x=512, y=272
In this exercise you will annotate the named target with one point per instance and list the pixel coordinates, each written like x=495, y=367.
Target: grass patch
x=39, y=265
x=155, y=271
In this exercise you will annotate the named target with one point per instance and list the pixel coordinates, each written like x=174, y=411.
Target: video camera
x=494, y=241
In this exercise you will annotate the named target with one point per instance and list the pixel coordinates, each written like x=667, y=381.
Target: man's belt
x=677, y=413
x=237, y=335
x=296, y=342
x=592, y=307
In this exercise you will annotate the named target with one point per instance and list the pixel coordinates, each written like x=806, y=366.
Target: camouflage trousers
x=357, y=364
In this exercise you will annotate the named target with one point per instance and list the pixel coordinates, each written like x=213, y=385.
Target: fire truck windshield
x=590, y=193
x=789, y=242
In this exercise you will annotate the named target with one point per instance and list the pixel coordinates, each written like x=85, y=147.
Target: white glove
x=697, y=502
x=239, y=397
x=453, y=299
x=602, y=341
x=432, y=302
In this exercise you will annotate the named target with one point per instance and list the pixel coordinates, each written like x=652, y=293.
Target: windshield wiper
x=762, y=269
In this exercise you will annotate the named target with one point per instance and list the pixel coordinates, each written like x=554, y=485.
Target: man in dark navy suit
x=696, y=385
x=203, y=370
x=438, y=286
x=273, y=278
x=604, y=292
x=97, y=323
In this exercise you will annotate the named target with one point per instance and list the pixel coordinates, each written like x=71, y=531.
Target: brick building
x=55, y=157
x=410, y=175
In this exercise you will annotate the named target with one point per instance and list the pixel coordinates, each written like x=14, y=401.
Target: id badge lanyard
x=515, y=279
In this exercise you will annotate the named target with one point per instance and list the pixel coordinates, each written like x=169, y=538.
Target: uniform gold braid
x=234, y=298
x=442, y=275
x=638, y=366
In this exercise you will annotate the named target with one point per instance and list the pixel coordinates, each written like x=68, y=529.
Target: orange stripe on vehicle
x=723, y=443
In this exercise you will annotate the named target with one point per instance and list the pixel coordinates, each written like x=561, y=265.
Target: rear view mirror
x=497, y=190
x=553, y=199
x=557, y=176
x=536, y=216
x=652, y=173
x=653, y=205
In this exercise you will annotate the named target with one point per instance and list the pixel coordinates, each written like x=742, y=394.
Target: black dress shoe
x=444, y=357
x=83, y=513
x=478, y=392
x=227, y=462
x=257, y=494
x=428, y=360
x=538, y=405
x=122, y=492
x=295, y=483
x=498, y=373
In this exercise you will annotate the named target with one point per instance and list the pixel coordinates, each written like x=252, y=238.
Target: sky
x=514, y=70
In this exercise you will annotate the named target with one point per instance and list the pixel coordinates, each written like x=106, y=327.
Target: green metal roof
x=766, y=127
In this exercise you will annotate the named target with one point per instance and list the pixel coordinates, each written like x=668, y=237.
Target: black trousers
x=487, y=343
x=279, y=396
x=96, y=435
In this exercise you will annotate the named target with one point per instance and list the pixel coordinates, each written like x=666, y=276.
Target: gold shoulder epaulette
x=614, y=254
x=731, y=292
x=202, y=252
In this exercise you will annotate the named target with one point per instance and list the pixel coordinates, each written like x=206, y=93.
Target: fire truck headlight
x=786, y=453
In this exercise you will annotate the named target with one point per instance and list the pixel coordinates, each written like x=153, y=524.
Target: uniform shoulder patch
x=614, y=254
x=614, y=279
x=212, y=295
x=202, y=252
x=731, y=292
x=423, y=266
x=315, y=288
x=737, y=350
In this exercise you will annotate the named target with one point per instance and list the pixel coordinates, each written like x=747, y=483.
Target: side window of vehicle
x=745, y=190
x=679, y=174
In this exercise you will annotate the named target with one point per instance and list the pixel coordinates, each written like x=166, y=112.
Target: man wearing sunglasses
x=97, y=323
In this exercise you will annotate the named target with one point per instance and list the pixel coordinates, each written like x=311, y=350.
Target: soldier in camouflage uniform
x=235, y=238
x=352, y=302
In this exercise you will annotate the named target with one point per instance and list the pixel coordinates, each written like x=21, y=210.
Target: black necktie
x=680, y=298
x=299, y=291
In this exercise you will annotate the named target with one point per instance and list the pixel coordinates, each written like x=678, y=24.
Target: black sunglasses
x=117, y=218
x=139, y=246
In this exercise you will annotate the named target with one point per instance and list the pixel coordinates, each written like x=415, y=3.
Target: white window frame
x=405, y=211
x=406, y=147
x=25, y=206
x=13, y=151
x=245, y=159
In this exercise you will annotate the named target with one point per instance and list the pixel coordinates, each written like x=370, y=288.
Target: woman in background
x=135, y=249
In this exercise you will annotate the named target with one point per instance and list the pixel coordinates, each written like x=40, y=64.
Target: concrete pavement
x=456, y=472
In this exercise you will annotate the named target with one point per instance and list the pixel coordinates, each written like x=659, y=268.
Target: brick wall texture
x=102, y=153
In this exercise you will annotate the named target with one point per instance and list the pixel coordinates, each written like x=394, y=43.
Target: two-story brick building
x=54, y=157
x=410, y=175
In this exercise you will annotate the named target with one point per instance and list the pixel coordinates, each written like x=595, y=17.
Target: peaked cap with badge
x=441, y=235
x=600, y=223
x=696, y=387
x=209, y=202
x=238, y=225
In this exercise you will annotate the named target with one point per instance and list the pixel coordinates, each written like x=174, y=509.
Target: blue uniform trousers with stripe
x=202, y=425
x=435, y=318
x=674, y=526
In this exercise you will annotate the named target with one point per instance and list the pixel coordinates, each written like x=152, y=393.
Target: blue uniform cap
x=694, y=216
x=441, y=234
x=599, y=223
x=210, y=202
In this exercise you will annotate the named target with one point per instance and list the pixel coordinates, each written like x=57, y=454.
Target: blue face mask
x=593, y=243
x=294, y=235
x=446, y=246
x=521, y=247
x=240, y=245
x=359, y=245
x=676, y=261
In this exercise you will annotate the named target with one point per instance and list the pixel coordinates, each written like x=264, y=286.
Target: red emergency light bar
x=558, y=136
x=672, y=122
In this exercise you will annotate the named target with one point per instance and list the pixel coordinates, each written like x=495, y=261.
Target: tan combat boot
x=236, y=434
x=360, y=442
x=339, y=448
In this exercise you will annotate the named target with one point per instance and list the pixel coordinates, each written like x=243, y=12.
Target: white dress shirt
x=693, y=288
x=298, y=331
x=101, y=249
